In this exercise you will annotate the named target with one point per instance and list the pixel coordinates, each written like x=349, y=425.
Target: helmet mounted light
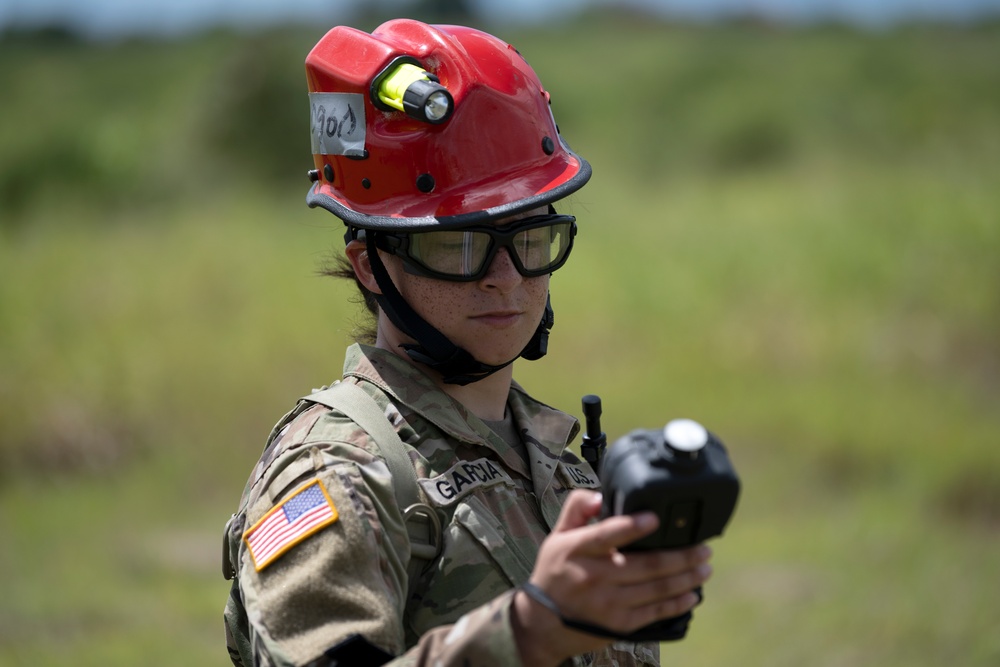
x=407, y=87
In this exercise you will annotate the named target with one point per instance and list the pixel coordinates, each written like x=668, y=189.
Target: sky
x=111, y=18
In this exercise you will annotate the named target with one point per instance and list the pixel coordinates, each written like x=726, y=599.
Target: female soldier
x=425, y=506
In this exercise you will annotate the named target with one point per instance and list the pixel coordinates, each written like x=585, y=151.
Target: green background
x=792, y=236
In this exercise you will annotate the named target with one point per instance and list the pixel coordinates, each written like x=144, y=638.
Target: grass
x=791, y=236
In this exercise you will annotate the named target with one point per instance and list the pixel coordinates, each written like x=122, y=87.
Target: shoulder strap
x=422, y=523
x=359, y=407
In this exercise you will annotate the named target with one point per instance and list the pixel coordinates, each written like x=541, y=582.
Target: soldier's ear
x=357, y=254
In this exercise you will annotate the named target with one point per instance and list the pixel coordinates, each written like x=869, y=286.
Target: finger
x=637, y=567
x=628, y=619
x=616, y=531
x=663, y=609
x=580, y=507
x=654, y=591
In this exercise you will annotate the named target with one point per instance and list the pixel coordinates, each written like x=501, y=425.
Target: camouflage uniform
x=350, y=577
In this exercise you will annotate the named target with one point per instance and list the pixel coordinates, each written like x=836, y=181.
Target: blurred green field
x=793, y=236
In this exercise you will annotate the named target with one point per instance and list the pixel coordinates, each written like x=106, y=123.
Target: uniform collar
x=545, y=431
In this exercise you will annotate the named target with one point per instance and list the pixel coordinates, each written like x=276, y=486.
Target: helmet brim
x=517, y=195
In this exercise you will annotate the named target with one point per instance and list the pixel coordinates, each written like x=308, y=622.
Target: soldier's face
x=492, y=318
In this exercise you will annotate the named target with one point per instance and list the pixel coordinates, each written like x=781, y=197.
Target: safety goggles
x=537, y=246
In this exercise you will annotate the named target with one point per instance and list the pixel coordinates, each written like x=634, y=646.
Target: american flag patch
x=300, y=515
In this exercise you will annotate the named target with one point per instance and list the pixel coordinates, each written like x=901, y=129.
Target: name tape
x=579, y=476
x=463, y=478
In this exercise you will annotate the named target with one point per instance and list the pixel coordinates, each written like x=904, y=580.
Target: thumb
x=580, y=507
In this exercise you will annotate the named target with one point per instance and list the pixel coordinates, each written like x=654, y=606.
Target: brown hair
x=365, y=331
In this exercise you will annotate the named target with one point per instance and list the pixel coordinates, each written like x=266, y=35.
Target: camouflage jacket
x=310, y=593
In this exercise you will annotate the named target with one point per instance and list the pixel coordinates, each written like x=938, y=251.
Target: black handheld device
x=681, y=472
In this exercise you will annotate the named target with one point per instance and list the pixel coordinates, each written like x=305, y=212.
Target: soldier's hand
x=580, y=568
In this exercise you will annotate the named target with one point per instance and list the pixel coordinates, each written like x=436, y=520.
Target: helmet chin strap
x=432, y=347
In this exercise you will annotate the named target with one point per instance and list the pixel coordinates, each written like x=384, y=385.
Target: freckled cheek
x=435, y=300
x=537, y=289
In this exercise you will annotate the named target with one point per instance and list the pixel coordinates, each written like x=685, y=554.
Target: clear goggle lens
x=536, y=245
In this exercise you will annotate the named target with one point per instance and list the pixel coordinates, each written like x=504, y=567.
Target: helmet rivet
x=365, y=183
x=313, y=175
x=425, y=183
x=328, y=172
x=548, y=145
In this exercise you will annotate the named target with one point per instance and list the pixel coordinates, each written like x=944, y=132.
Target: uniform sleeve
x=346, y=580
x=482, y=637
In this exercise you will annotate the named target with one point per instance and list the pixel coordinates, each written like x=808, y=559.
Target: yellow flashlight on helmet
x=407, y=87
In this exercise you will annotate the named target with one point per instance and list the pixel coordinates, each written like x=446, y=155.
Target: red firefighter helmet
x=495, y=151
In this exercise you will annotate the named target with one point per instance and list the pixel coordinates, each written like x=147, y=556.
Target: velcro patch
x=579, y=476
x=297, y=517
x=462, y=478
